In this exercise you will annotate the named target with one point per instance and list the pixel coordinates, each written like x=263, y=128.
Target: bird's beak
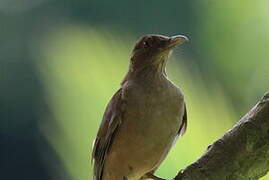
x=177, y=40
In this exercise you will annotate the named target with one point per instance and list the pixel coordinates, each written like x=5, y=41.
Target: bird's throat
x=146, y=73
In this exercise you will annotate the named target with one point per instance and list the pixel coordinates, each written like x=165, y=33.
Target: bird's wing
x=183, y=126
x=111, y=121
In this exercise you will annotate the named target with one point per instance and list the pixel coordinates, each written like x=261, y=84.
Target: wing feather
x=111, y=121
x=183, y=126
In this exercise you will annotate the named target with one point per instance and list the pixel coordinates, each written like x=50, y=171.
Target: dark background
x=61, y=61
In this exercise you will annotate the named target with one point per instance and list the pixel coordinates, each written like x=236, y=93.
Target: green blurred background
x=61, y=61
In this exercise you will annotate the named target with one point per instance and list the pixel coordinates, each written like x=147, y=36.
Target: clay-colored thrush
x=143, y=118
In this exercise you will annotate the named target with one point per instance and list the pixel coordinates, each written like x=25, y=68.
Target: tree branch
x=241, y=154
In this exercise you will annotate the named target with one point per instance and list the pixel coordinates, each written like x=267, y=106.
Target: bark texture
x=241, y=154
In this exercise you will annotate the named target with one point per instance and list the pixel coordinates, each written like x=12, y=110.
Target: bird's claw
x=151, y=176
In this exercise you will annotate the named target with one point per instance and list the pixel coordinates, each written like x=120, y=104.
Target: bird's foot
x=151, y=176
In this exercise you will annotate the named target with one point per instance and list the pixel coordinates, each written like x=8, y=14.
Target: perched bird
x=144, y=117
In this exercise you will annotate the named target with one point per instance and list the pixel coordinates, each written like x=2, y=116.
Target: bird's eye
x=145, y=44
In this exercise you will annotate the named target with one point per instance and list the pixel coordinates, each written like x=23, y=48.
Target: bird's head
x=153, y=50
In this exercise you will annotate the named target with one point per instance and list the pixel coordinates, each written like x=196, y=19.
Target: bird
x=145, y=116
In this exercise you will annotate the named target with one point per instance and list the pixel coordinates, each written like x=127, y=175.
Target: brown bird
x=144, y=117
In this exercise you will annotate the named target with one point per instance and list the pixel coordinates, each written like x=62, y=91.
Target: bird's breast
x=155, y=116
x=149, y=127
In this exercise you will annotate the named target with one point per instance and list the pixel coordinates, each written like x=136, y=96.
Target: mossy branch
x=241, y=154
